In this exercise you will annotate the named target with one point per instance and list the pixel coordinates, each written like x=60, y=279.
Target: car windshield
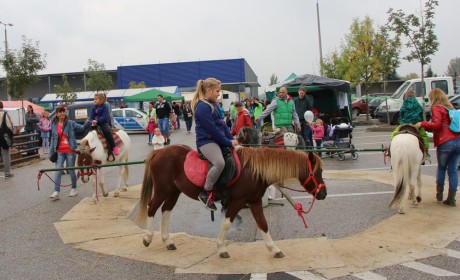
x=400, y=90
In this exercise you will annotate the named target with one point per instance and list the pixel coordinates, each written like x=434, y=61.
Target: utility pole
x=6, y=53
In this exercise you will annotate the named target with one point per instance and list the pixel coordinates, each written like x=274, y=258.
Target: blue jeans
x=188, y=123
x=69, y=158
x=448, y=155
x=178, y=122
x=164, y=126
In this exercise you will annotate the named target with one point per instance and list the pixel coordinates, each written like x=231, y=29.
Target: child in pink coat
x=150, y=129
x=318, y=133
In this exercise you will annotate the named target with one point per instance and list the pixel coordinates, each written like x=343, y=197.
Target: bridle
x=89, y=171
x=311, y=177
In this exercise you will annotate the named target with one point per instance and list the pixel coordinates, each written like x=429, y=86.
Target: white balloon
x=308, y=116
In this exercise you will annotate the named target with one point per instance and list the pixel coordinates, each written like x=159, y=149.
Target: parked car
x=359, y=106
x=455, y=101
x=130, y=119
x=373, y=104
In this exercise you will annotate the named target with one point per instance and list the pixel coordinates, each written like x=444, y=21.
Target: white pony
x=406, y=159
x=92, y=152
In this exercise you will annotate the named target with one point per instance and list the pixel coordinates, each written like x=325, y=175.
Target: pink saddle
x=196, y=168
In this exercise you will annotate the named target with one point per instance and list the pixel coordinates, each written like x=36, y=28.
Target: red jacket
x=243, y=119
x=439, y=125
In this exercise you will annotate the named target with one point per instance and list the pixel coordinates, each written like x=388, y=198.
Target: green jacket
x=258, y=109
x=411, y=112
x=283, y=112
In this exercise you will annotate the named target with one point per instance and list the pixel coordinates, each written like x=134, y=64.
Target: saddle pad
x=116, y=139
x=196, y=168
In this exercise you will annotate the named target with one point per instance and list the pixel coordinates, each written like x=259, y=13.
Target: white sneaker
x=54, y=196
x=73, y=192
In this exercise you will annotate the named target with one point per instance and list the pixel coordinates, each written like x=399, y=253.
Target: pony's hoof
x=224, y=255
x=171, y=247
x=401, y=211
x=146, y=244
x=116, y=194
x=125, y=189
x=92, y=201
x=419, y=199
x=279, y=255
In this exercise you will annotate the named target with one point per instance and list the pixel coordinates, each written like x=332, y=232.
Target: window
x=442, y=85
x=417, y=88
x=117, y=113
x=130, y=114
x=225, y=96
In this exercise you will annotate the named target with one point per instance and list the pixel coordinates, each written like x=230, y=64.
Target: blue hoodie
x=209, y=127
x=100, y=113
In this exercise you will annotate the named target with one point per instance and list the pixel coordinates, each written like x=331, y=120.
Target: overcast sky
x=274, y=36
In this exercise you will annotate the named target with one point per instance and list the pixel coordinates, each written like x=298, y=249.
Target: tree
x=419, y=32
x=410, y=76
x=66, y=92
x=387, y=53
x=273, y=80
x=133, y=84
x=429, y=72
x=96, y=79
x=453, y=69
x=21, y=67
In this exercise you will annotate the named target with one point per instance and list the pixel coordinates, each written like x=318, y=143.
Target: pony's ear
x=77, y=152
x=92, y=149
x=85, y=143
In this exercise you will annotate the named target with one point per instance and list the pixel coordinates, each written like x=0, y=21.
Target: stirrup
x=110, y=157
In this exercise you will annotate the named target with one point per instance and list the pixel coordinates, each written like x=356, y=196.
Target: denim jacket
x=69, y=130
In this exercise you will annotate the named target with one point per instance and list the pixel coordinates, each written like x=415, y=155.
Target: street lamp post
x=319, y=39
x=6, y=52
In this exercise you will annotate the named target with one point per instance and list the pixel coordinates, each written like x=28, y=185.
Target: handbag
x=54, y=155
x=6, y=134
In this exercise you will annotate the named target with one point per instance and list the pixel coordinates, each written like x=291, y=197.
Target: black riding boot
x=451, y=199
x=439, y=191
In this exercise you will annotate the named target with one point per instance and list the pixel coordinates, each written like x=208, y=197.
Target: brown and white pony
x=164, y=181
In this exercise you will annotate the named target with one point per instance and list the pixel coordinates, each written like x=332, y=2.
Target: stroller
x=339, y=134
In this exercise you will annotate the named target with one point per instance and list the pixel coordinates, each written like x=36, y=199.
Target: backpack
x=454, y=116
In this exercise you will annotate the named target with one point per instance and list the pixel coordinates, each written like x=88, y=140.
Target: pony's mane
x=274, y=166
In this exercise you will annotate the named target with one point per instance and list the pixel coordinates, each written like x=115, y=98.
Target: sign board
x=81, y=113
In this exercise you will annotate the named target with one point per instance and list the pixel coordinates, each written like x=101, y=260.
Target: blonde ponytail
x=200, y=91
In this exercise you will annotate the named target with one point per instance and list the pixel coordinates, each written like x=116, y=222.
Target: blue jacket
x=100, y=113
x=209, y=127
x=69, y=130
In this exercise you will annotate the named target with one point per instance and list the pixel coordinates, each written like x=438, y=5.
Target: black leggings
x=108, y=135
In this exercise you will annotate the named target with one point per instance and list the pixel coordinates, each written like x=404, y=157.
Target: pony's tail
x=147, y=187
x=401, y=172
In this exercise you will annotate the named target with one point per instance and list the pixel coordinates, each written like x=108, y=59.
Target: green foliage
x=133, y=84
x=430, y=73
x=410, y=76
x=366, y=55
x=21, y=67
x=66, y=92
x=419, y=32
x=96, y=77
x=453, y=67
x=273, y=80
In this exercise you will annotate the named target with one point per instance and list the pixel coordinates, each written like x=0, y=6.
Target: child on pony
x=100, y=116
x=411, y=113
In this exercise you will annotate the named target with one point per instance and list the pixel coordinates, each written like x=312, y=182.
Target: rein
x=298, y=206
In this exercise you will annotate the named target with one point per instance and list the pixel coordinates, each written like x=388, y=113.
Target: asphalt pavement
x=31, y=248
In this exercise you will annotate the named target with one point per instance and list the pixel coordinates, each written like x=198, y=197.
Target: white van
x=129, y=119
x=395, y=102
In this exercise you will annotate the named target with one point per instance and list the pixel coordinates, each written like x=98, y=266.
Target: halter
x=311, y=177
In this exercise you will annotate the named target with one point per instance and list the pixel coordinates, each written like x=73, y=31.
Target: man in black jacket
x=5, y=144
x=163, y=109
x=304, y=103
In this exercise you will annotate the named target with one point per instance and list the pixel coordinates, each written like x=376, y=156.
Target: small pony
x=165, y=179
x=92, y=152
x=406, y=159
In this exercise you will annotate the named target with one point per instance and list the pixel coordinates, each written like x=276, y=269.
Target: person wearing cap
x=242, y=119
x=284, y=111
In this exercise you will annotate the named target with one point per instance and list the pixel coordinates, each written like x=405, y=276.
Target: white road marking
x=339, y=195
x=305, y=275
x=453, y=253
x=258, y=276
x=369, y=276
x=429, y=269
